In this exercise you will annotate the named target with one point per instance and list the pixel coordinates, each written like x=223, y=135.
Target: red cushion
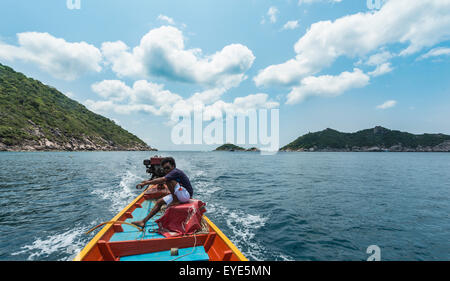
x=182, y=219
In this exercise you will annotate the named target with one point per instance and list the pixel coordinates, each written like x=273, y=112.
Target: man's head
x=168, y=164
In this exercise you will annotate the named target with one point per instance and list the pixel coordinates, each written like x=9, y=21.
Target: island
x=377, y=139
x=34, y=117
x=232, y=147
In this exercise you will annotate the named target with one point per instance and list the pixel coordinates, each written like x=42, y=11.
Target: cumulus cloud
x=436, y=52
x=70, y=95
x=162, y=53
x=152, y=98
x=379, y=58
x=56, y=56
x=293, y=24
x=112, y=89
x=412, y=24
x=166, y=19
x=327, y=85
x=285, y=74
x=240, y=105
x=272, y=13
x=387, y=104
x=381, y=69
x=110, y=106
x=381, y=61
x=142, y=96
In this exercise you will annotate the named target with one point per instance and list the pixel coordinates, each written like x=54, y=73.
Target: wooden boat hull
x=115, y=242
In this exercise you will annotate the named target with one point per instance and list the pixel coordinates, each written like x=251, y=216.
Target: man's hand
x=150, y=182
x=140, y=185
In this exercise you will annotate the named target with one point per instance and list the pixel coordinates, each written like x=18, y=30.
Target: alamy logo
x=190, y=130
x=375, y=253
x=73, y=4
x=375, y=4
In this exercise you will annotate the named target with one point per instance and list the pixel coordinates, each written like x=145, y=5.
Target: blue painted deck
x=199, y=254
x=131, y=233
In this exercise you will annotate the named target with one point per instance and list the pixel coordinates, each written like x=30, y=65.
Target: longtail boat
x=119, y=240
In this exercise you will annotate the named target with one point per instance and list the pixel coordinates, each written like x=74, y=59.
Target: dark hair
x=169, y=160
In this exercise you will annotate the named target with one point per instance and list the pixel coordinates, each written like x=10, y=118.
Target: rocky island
x=232, y=147
x=370, y=140
x=34, y=116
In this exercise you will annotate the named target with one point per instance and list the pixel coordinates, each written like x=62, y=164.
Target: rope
x=193, y=249
x=115, y=222
x=203, y=230
x=142, y=229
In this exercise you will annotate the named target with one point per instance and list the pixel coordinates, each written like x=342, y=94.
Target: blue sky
x=323, y=63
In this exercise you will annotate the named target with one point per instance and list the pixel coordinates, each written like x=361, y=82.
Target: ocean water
x=290, y=206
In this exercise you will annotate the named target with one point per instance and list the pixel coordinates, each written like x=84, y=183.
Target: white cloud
x=166, y=19
x=272, y=13
x=379, y=58
x=70, y=95
x=147, y=92
x=286, y=74
x=414, y=24
x=381, y=69
x=208, y=96
x=112, y=89
x=152, y=98
x=387, y=104
x=142, y=96
x=436, y=52
x=327, y=85
x=293, y=24
x=110, y=106
x=122, y=62
x=162, y=53
x=53, y=55
x=240, y=105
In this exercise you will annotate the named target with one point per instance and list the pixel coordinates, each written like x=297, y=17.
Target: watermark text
x=254, y=127
x=73, y=4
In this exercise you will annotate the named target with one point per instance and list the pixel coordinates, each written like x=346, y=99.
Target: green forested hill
x=374, y=139
x=34, y=116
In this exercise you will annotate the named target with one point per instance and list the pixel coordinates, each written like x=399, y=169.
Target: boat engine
x=154, y=167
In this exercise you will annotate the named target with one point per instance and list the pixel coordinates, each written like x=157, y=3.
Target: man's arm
x=160, y=180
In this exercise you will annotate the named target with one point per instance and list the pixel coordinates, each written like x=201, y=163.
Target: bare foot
x=141, y=224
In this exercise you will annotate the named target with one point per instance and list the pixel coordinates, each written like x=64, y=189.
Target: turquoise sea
x=289, y=206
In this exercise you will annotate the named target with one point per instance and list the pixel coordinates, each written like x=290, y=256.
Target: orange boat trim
x=232, y=248
x=99, y=235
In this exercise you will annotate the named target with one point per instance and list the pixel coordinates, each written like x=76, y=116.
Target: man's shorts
x=181, y=193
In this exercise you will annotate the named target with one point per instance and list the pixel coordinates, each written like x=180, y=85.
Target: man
x=178, y=184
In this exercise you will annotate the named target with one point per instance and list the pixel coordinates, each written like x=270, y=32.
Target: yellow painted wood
x=227, y=241
x=97, y=237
